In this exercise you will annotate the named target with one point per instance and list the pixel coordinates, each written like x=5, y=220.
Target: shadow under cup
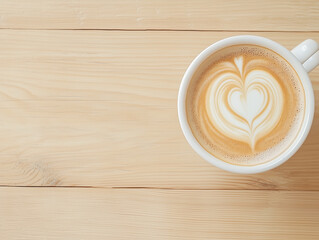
x=245, y=105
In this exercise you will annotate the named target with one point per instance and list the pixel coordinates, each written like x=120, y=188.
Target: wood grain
x=99, y=109
x=271, y=15
x=88, y=95
x=75, y=213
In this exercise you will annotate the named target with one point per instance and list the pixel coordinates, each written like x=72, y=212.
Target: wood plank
x=271, y=15
x=99, y=109
x=81, y=213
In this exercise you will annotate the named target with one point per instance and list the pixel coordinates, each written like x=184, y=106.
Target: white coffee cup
x=303, y=58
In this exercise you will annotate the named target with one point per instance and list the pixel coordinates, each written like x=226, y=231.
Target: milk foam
x=245, y=105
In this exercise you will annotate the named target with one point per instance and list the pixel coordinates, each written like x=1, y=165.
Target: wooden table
x=90, y=142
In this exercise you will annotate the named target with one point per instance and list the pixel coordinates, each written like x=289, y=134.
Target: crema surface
x=245, y=105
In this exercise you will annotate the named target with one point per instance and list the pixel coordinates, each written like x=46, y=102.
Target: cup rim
x=290, y=58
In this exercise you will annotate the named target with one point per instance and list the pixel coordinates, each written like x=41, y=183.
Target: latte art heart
x=244, y=105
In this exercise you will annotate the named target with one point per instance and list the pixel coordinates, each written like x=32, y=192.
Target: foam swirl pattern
x=244, y=105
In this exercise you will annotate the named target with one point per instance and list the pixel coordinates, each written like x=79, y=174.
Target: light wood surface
x=81, y=213
x=90, y=144
x=252, y=15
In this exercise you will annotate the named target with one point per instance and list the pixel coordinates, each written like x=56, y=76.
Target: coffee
x=245, y=105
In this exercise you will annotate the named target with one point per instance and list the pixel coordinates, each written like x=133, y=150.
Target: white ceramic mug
x=302, y=58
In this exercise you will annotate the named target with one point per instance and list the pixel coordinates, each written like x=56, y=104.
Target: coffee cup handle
x=307, y=53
